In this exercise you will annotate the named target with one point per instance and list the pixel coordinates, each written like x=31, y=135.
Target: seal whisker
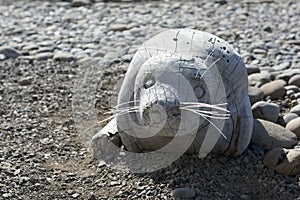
x=121, y=104
x=212, y=64
x=219, y=104
x=204, y=105
x=212, y=113
x=206, y=118
x=148, y=52
x=122, y=112
x=208, y=114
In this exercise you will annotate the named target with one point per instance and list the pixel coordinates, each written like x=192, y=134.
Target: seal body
x=175, y=85
x=205, y=69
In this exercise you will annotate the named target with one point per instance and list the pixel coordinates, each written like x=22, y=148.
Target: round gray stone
x=274, y=89
x=290, y=92
x=283, y=161
x=295, y=80
x=286, y=75
x=252, y=69
x=296, y=109
x=282, y=66
x=63, y=56
x=79, y=3
x=118, y=27
x=270, y=135
x=25, y=81
x=292, y=87
x=288, y=117
x=294, y=126
x=255, y=78
x=9, y=52
x=266, y=111
x=44, y=56
x=297, y=95
x=255, y=94
x=2, y=57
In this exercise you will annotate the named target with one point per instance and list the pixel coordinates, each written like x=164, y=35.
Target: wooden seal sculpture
x=184, y=91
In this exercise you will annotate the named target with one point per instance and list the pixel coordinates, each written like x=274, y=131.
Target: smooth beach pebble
x=292, y=88
x=270, y=135
x=288, y=117
x=294, y=126
x=266, y=111
x=283, y=161
x=296, y=109
x=252, y=69
x=255, y=78
x=274, y=89
x=295, y=80
x=255, y=94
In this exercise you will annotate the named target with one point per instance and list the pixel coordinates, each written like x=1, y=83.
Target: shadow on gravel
x=219, y=177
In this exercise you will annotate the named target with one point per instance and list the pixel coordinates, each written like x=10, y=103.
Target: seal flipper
x=107, y=142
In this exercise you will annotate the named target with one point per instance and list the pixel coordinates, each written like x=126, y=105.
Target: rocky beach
x=46, y=45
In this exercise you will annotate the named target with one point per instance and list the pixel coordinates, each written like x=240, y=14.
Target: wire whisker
x=202, y=114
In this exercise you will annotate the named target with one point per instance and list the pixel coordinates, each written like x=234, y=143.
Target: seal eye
x=199, y=91
x=149, y=83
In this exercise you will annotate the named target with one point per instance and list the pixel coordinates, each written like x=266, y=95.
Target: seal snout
x=158, y=111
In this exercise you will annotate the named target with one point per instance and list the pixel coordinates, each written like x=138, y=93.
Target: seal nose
x=159, y=107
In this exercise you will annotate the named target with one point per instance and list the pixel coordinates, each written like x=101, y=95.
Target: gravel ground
x=42, y=156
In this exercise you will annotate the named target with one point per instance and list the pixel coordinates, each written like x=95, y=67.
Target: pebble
x=45, y=49
x=294, y=126
x=292, y=87
x=266, y=111
x=274, y=89
x=25, y=81
x=289, y=116
x=295, y=80
x=118, y=27
x=282, y=66
x=255, y=94
x=98, y=53
x=295, y=42
x=260, y=78
x=9, y=52
x=79, y=3
x=259, y=51
x=75, y=195
x=44, y=56
x=6, y=195
x=30, y=47
x=270, y=135
x=296, y=109
x=295, y=65
x=186, y=193
x=283, y=161
x=286, y=75
x=297, y=95
x=63, y=56
x=290, y=93
x=2, y=57
x=252, y=69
